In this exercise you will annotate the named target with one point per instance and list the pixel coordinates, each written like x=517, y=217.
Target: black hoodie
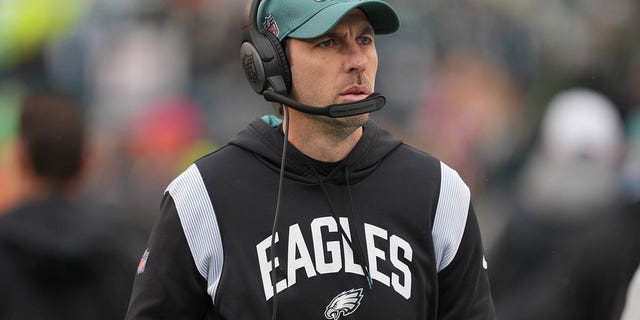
x=64, y=260
x=407, y=216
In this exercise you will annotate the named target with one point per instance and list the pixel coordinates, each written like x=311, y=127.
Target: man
x=60, y=258
x=365, y=226
x=570, y=245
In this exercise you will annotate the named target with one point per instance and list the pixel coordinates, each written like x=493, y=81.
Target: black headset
x=263, y=58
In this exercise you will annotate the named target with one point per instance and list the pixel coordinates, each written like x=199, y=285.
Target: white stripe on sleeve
x=199, y=224
x=632, y=306
x=451, y=216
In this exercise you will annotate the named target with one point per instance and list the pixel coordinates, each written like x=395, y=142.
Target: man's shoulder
x=226, y=162
x=410, y=153
x=225, y=156
x=412, y=158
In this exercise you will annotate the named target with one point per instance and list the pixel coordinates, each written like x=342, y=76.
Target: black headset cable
x=274, y=300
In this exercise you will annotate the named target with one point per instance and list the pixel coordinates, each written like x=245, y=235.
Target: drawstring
x=358, y=247
x=353, y=216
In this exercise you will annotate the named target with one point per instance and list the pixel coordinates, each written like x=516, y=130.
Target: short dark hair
x=53, y=131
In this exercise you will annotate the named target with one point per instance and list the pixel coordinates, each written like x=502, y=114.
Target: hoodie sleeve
x=178, y=273
x=463, y=284
x=167, y=283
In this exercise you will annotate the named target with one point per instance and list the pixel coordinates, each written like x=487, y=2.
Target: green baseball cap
x=305, y=19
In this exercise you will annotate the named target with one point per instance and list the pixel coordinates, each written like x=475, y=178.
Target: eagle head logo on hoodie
x=344, y=304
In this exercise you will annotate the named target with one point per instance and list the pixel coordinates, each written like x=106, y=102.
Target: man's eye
x=364, y=40
x=326, y=43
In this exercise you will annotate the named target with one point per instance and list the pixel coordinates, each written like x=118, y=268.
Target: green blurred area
x=26, y=25
x=10, y=95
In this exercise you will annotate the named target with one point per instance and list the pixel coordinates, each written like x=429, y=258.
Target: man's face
x=337, y=67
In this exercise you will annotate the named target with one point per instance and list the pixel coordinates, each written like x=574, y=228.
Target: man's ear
x=88, y=164
x=22, y=158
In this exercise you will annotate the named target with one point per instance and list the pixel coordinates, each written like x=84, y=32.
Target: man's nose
x=356, y=59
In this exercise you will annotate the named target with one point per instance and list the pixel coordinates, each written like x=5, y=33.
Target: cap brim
x=382, y=17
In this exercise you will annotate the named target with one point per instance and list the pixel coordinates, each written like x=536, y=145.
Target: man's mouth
x=354, y=93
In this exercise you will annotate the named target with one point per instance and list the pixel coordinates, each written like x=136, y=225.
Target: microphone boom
x=373, y=102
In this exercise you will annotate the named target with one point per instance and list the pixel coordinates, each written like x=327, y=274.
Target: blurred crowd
x=535, y=103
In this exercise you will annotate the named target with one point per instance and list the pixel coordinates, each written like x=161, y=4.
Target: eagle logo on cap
x=344, y=304
x=271, y=25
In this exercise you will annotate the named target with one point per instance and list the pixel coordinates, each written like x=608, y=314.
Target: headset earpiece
x=263, y=58
x=284, y=72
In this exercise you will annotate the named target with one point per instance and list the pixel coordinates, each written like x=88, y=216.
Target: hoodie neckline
x=266, y=141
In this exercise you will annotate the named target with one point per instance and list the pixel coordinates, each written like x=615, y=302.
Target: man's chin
x=344, y=126
x=353, y=121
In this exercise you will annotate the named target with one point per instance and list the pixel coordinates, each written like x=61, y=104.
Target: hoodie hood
x=266, y=141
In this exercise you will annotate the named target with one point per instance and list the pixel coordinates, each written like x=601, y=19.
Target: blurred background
x=535, y=103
